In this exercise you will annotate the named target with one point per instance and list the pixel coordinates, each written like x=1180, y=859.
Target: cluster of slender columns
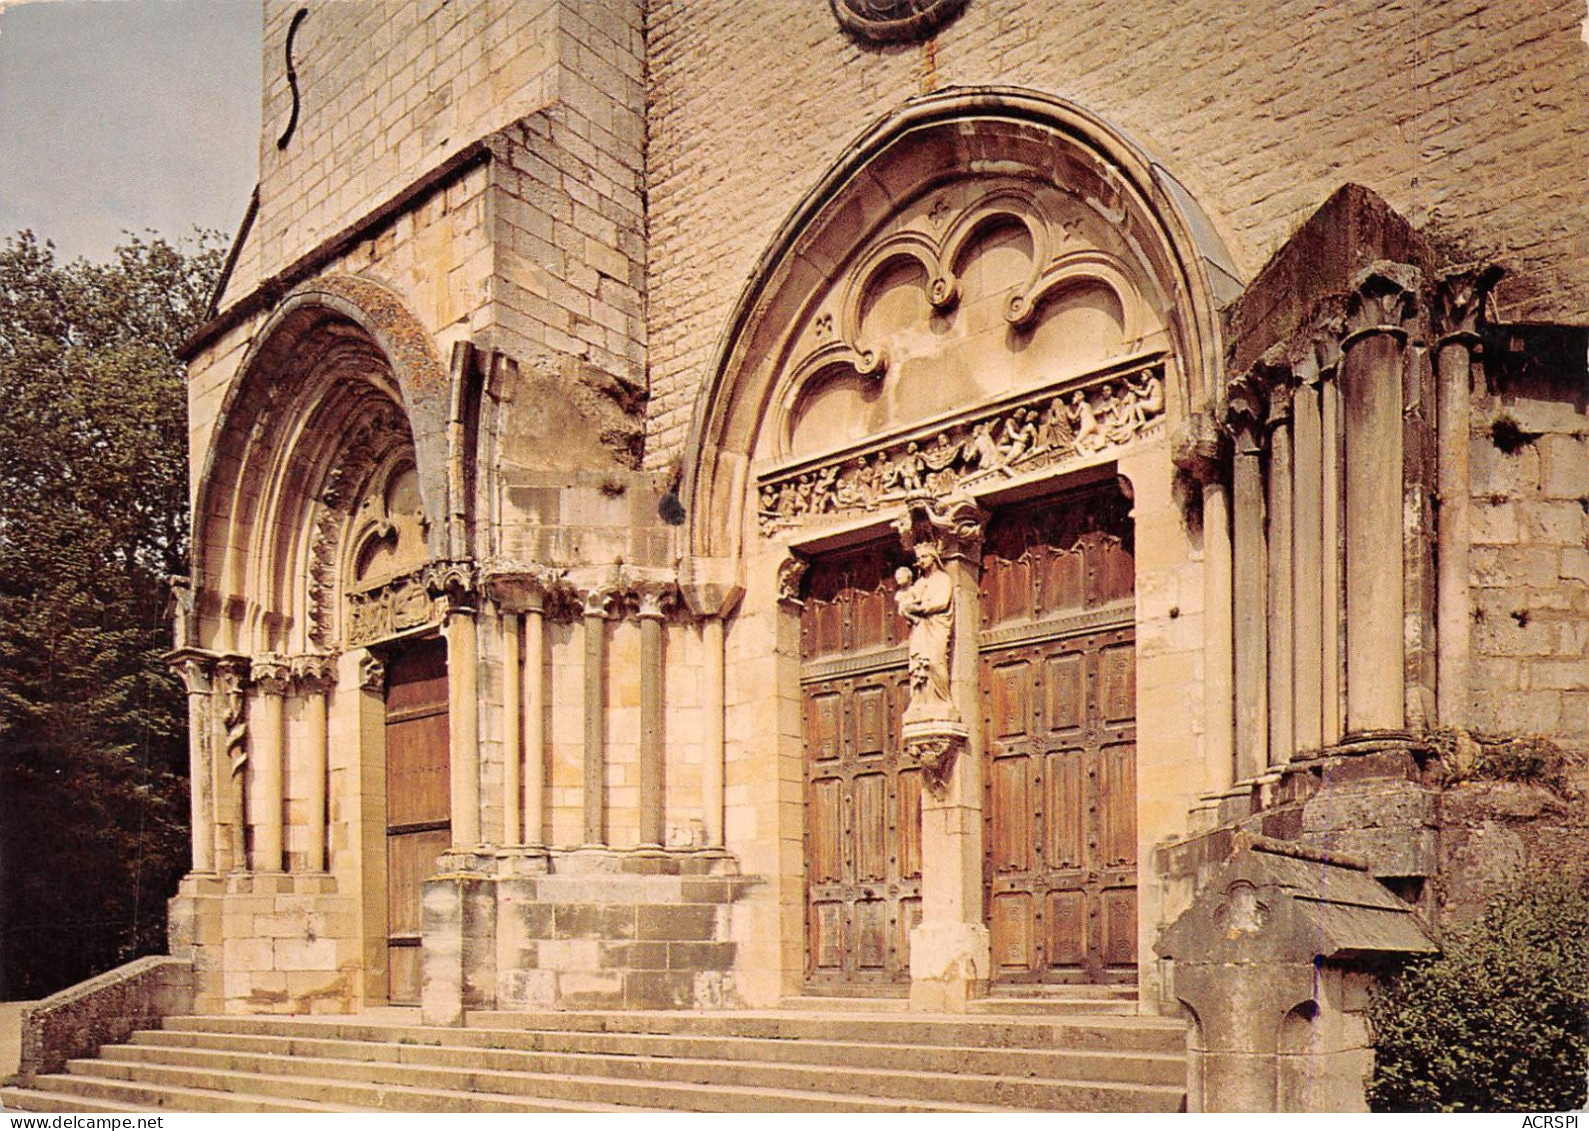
x=1306, y=568
x=237, y=711
x=521, y=598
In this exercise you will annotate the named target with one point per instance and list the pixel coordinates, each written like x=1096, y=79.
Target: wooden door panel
x=1012, y=815
x=1059, y=688
x=1117, y=809
x=872, y=827
x=1065, y=809
x=418, y=800
x=863, y=806
x=1067, y=928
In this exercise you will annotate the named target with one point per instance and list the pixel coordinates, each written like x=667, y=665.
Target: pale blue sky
x=126, y=115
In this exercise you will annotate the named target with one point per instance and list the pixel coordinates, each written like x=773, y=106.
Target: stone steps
x=744, y=1061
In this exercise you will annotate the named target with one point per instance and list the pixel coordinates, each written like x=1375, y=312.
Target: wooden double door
x=1057, y=677
x=418, y=801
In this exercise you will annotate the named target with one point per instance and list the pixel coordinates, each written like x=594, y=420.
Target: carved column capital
x=654, y=597
x=195, y=669
x=271, y=673
x=521, y=587
x=1383, y=299
x=1201, y=450
x=1457, y=302
x=597, y=601
x=453, y=581
x=955, y=524
x=791, y=572
x=372, y=673
x=1246, y=411
x=314, y=673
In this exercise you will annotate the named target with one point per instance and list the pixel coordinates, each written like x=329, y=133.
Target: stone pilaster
x=271, y=676
x=197, y=672
x=949, y=950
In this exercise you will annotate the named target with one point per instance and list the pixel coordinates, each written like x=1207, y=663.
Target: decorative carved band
x=1120, y=614
x=1076, y=421
x=400, y=605
x=852, y=664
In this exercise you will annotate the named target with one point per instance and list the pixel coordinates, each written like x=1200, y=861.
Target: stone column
x=1372, y=369
x=1282, y=562
x=1307, y=549
x=270, y=674
x=655, y=598
x=1203, y=454
x=197, y=673
x=1459, y=304
x=521, y=591
x=1250, y=577
x=949, y=950
x=1332, y=700
x=512, y=753
x=315, y=675
x=454, y=583
x=597, y=603
x=229, y=773
x=710, y=591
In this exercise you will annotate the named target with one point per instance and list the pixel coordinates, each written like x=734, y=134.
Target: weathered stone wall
x=102, y=1010
x=1471, y=119
x=1530, y=558
x=1493, y=833
x=386, y=92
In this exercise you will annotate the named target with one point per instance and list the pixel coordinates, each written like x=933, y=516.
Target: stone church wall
x=1470, y=119
x=1530, y=483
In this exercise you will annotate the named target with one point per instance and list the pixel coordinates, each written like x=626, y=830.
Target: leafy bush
x=1500, y=1021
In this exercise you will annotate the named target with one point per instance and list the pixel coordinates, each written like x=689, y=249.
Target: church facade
x=702, y=505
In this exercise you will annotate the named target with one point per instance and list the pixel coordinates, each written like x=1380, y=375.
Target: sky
x=127, y=115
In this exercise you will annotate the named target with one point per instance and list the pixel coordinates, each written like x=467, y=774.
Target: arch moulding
x=910, y=205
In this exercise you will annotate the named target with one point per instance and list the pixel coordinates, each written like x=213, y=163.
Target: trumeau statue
x=927, y=602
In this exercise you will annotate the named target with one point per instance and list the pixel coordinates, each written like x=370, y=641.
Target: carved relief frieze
x=397, y=606
x=1034, y=433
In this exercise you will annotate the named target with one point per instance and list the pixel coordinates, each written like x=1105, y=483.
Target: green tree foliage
x=1500, y=1021
x=93, y=520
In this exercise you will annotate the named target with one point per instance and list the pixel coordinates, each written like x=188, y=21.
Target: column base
x=949, y=964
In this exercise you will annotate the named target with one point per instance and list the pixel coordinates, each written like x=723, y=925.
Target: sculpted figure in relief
x=926, y=600
x=1084, y=424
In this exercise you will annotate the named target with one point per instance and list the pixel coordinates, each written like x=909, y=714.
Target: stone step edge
x=860, y=1029
x=704, y=1065
x=154, y=1038
x=86, y=1068
x=307, y=1106
x=10, y=1095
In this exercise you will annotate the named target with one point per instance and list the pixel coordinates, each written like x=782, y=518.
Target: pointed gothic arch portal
x=984, y=328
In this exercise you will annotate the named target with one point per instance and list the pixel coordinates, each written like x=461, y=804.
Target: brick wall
x=1471, y=119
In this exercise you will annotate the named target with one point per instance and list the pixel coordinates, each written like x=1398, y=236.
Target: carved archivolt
x=1072, y=423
